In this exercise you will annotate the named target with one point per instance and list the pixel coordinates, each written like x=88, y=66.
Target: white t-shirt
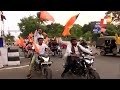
x=42, y=48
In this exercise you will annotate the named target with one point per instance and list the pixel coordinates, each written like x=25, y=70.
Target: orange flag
x=22, y=42
x=45, y=15
x=36, y=49
x=30, y=37
x=17, y=42
x=31, y=34
x=69, y=24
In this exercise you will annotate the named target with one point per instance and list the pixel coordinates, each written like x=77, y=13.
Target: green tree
x=30, y=24
x=87, y=36
x=76, y=31
x=111, y=29
x=54, y=29
x=9, y=38
x=88, y=31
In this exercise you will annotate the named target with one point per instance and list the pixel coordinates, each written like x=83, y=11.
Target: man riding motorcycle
x=73, y=49
x=42, y=49
x=28, y=48
x=53, y=46
x=39, y=33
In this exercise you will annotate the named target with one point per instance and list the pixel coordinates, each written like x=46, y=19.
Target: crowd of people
x=73, y=48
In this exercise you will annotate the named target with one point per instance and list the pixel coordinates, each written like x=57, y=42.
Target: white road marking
x=14, y=67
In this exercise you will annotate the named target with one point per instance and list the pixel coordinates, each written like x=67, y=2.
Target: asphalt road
x=107, y=66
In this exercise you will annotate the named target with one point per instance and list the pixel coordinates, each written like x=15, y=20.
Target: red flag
x=103, y=22
x=45, y=15
x=69, y=24
x=107, y=20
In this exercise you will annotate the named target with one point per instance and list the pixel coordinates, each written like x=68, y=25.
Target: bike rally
x=48, y=52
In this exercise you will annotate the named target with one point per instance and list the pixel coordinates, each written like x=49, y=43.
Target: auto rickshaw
x=107, y=45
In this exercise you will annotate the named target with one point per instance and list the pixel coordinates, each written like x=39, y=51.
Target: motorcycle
x=56, y=50
x=29, y=53
x=59, y=51
x=43, y=64
x=84, y=67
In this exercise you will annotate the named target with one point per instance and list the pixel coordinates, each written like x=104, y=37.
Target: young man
x=28, y=49
x=39, y=34
x=73, y=49
x=42, y=49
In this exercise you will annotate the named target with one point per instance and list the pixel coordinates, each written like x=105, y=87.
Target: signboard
x=97, y=28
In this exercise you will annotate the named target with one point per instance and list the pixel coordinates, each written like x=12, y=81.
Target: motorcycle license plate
x=46, y=63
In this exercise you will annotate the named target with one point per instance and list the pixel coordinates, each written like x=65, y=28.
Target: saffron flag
x=69, y=25
x=35, y=47
x=31, y=34
x=17, y=42
x=46, y=16
x=30, y=37
x=22, y=42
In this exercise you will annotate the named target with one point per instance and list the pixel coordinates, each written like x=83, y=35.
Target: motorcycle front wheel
x=92, y=75
x=48, y=73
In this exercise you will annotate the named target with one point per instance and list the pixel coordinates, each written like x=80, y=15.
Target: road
x=107, y=66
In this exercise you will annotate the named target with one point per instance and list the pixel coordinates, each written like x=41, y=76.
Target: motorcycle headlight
x=89, y=61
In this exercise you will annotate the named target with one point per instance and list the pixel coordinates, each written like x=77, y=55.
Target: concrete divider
x=13, y=56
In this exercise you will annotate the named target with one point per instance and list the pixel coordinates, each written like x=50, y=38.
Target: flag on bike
x=22, y=43
x=17, y=42
x=46, y=16
x=35, y=47
x=69, y=25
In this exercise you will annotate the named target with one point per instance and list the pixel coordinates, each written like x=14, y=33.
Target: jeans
x=118, y=47
x=35, y=56
x=70, y=62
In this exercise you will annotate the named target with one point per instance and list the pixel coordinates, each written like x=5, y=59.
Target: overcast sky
x=13, y=17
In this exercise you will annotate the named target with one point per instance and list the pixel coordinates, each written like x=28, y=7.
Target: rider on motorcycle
x=42, y=49
x=39, y=33
x=73, y=49
x=53, y=46
x=29, y=47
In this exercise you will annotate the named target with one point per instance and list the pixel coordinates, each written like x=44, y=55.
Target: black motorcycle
x=83, y=67
x=56, y=50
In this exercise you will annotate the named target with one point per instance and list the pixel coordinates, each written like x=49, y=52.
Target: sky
x=13, y=17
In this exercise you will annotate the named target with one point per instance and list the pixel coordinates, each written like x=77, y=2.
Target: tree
x=76, y=31
x=88, y=27
x=30, y=24
x=54, y=29
x=111, y=30
x=9, y=38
